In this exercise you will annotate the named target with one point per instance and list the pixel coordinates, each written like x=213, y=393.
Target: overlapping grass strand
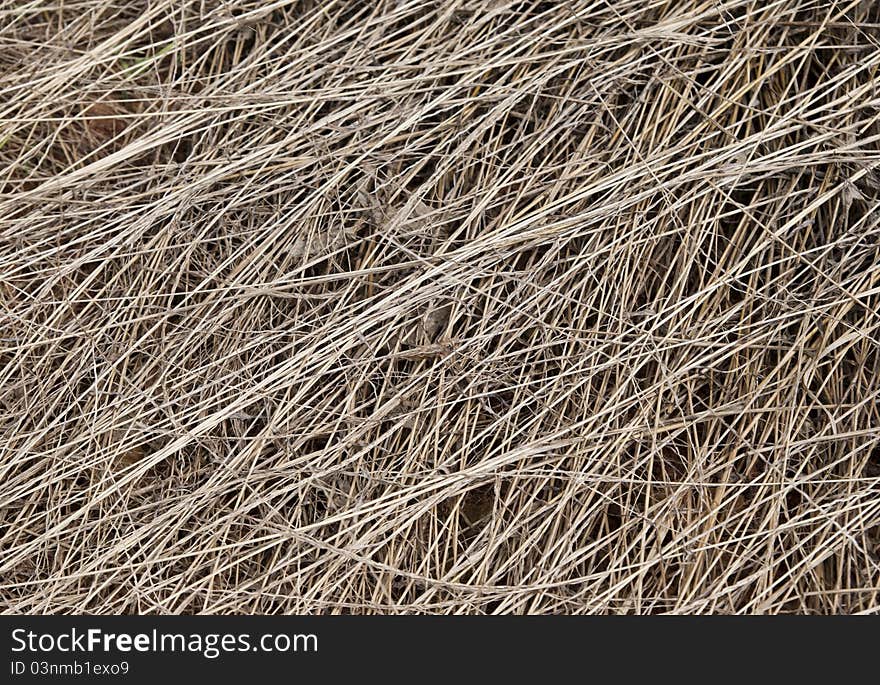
x=450, y=307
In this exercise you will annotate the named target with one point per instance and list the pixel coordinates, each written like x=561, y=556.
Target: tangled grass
x=450, y=307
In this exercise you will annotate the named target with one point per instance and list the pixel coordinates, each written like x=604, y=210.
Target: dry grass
x=441, y=307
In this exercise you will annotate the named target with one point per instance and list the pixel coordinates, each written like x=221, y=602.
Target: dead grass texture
x=439, y=307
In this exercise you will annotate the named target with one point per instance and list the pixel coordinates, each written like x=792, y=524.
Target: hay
x=483, y=307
